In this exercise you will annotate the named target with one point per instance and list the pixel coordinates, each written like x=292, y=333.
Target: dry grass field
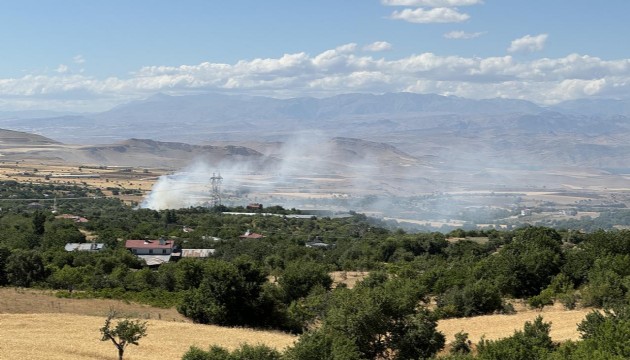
x=563, y=324
x=31, y=301
x=34, y=324
x=102, y=177
x=70, y=337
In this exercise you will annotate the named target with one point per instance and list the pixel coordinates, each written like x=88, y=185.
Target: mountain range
x=443, y=131
x=209, y=117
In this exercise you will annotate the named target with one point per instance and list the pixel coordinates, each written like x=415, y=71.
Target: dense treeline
x=278, y=282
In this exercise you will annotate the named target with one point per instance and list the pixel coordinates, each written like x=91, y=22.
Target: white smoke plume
x=302, y=155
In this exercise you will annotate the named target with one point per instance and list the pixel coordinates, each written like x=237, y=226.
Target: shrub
x=532, y=343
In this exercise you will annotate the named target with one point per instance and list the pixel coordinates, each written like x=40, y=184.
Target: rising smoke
x=310, y=170
x=303, y=155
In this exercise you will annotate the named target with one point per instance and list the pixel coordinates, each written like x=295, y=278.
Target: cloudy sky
x=76, y=55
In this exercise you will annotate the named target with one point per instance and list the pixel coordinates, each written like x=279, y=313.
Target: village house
x=153, y=252
x=254, y=206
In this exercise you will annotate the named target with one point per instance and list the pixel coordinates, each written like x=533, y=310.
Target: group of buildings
x=156, y=252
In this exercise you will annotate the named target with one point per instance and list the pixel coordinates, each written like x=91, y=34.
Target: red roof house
x=153, y=252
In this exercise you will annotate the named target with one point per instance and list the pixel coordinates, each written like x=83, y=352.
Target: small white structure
x=84, y=246
x=197, y=253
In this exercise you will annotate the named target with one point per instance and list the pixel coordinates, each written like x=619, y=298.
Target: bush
x=533, y=343
x=568, y=300
x=320, y=345
x=244, y=352
x=605, y=336
x=473, y=299
x=541, y=300
x=461, y=345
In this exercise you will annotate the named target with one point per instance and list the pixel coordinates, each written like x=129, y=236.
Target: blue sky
x=91, y=55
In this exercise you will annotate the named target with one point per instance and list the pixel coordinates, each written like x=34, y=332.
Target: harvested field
x=69, y=337
x=37, y=325
x=563, y=324
x=34, y=324
x=32, y=301
x=101, y=177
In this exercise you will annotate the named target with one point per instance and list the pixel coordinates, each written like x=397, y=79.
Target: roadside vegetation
x=277, y=282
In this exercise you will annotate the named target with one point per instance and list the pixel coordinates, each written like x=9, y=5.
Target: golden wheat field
x=34, y=324
x=69, y=337
x=563, y=324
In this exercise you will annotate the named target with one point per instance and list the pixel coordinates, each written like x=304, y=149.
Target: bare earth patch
x=350, y=278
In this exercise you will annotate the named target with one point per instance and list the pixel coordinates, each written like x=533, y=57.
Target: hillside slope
x=10, y=137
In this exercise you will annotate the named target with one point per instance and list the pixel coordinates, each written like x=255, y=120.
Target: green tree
x=4, y=255
x=124, y=333
x=527, y=265
x=299, y=278
x=606, y=333
x=416, y=337
x=25, y=267
x=67, y=277
x=379, y=317
x=59, y=233
x=39, y=220
x=188, y=273
x=229, y=294
x=477, y=298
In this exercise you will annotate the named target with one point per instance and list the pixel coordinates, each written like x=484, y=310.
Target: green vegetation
x=124, y=333
x=277, y=282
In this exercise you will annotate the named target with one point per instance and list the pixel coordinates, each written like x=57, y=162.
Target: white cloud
x=431, y=3
x=335, y=71
x=79, y=59
x=378, y=46
x=528, y=43
x=347, y=48
x=435, y=15
x=62, y=69
x=462, y=35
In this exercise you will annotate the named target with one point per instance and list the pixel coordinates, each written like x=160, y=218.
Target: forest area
x=277, y=282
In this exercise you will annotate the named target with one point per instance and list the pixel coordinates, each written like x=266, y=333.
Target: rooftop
x=149, y=244
x=84, y=246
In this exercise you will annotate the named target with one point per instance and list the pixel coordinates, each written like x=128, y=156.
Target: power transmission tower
x=215, y=195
